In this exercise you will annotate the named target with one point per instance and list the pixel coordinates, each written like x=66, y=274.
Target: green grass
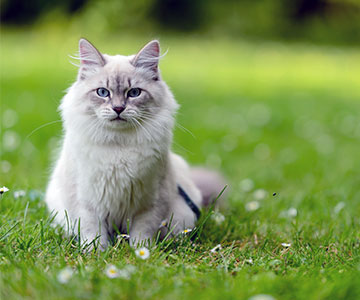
x=284, y=116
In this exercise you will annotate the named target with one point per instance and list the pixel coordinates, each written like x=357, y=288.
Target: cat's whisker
x=151, y=121
x=154, y=120
x=40, y=127
x=177, y=124
x=147, y=133
x=175, y=143
x=156, y=129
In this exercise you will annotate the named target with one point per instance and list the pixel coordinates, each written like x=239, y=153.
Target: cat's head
x=119, y=93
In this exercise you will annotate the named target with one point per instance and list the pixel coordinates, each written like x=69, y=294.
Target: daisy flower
x=65, y=275
x=123, y=236
x=286, y=245
x=143, y=253
x=3, y=190
x=163, y=223
x=111, y=271
x=185, y=231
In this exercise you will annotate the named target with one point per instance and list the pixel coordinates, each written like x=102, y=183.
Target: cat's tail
x=210, y=183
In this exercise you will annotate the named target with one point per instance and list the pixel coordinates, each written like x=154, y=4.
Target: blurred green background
x=269, y=89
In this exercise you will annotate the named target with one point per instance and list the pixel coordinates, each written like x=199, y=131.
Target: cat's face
x=122, y=92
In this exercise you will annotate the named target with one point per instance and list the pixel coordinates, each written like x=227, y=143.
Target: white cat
x=115, y=168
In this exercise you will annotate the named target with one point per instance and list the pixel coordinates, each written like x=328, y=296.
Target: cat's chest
x=118, y=175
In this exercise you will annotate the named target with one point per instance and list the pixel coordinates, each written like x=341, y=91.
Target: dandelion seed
x=143, y=253
x=123, y=236
x=3, y=190
x=11, y=140
x=286, y=245
x=262, y=151
x=65, y=275
x=262, y=297
x=19, y=194
x=260, y=194
x=111, y=271
x=292, y=212
x=246, y=185
x=185, y=231
x=252, y=206
x=218, y=217
x=5, y=166
x=216, y=248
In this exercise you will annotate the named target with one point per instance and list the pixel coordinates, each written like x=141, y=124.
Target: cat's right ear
x=90, y=58
x=148, y=58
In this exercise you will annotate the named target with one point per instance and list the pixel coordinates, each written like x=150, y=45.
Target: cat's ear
x=148, y=58
x=90, y=58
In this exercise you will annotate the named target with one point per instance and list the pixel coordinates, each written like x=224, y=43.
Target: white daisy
x=143, y=253
x=286, y=245
x=65, y=275
x=3, y=190
x=252, y=205
x=163, y=223
x=185, y=231
x=111, y=271
x=123, y=236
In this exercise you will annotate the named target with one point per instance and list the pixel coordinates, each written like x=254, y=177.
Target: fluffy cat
x=115, y=169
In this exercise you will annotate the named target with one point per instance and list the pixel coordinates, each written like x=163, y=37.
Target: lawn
x=280, y=120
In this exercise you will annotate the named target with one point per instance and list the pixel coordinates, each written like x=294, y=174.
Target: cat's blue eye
x=103, y=92
x=134, y=92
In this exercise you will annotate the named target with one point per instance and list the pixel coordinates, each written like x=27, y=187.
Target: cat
x=115, y=171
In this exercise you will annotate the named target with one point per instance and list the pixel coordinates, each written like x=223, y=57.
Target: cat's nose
x=118, y=109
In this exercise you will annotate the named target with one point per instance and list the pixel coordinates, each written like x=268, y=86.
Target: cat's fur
x=120, y=173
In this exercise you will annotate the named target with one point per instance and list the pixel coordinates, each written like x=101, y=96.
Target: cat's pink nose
x=118, y=109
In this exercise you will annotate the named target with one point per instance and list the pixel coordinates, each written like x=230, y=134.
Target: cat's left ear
x=148, y=58
x=90, y=58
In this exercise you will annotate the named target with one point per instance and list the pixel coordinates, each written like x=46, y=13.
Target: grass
x=275, y=118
